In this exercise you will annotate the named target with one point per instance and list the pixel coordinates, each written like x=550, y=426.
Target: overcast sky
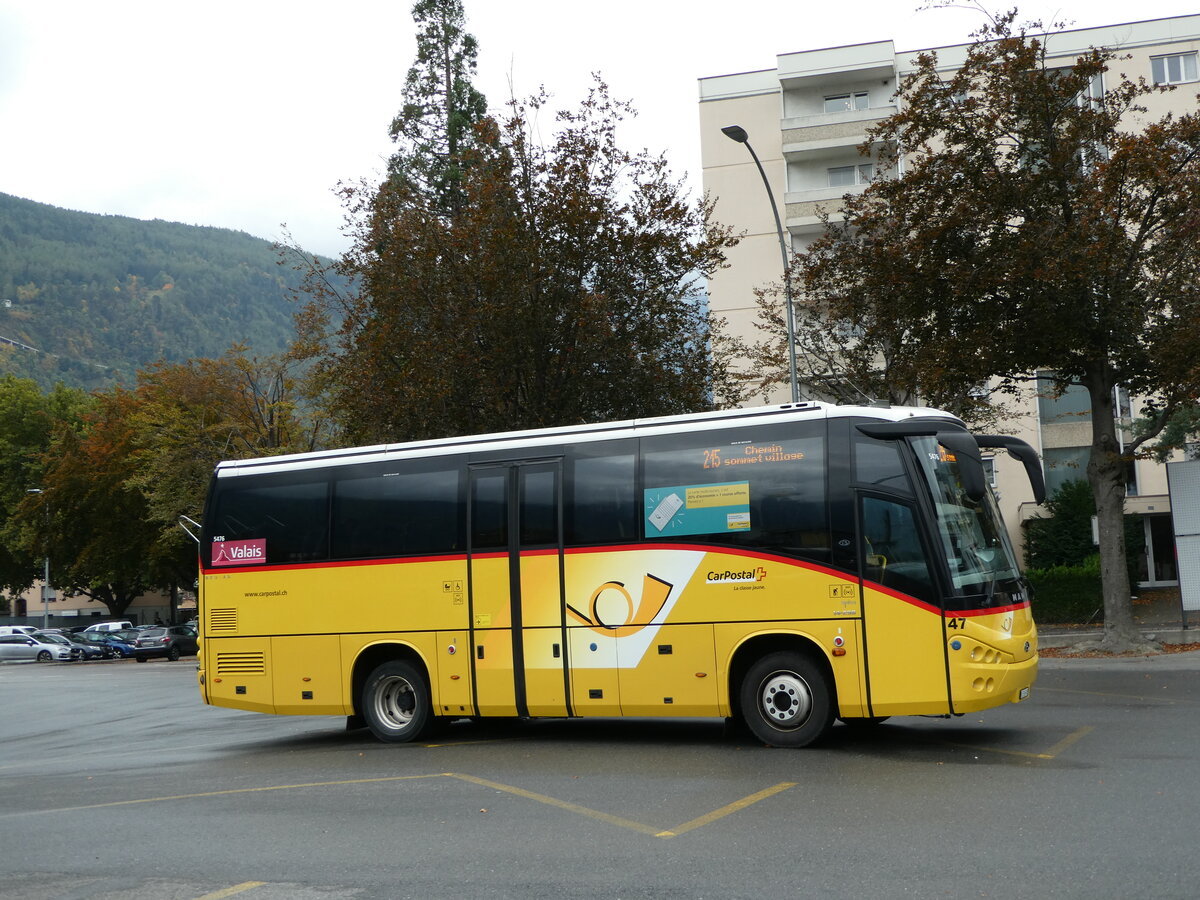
x=247, y=113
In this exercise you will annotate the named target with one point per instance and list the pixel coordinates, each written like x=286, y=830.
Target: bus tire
x=396, y=702
x=786, y=700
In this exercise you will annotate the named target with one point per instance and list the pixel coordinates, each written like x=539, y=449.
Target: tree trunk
x=1106, y=475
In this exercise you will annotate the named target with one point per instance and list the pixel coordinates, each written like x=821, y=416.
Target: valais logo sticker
x=239, y=553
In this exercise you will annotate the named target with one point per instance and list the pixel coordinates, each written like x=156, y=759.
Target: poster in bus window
x=697, y=509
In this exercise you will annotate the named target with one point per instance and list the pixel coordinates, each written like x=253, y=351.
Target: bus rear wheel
x=396, y=702
x=786, y=700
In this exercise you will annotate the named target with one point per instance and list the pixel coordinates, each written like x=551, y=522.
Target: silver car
x=28, y=646
x=79, y=649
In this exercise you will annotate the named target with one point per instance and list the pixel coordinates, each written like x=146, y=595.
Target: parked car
x=28, y=646
x=17, y=629
x=110, y=626
x=171, y=641
x=96, y=642
x=117, y=646
x=79, y=649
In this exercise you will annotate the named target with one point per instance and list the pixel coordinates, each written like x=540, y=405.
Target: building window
x=1072, y=404
x=846, y=102
x=1174, y=69
x=848, y=176
x=1063, y=464
x=989, y=470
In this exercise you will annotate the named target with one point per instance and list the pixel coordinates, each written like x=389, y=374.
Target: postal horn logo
x=611, y=610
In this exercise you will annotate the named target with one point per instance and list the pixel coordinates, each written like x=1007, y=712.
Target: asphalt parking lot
x=117, y=781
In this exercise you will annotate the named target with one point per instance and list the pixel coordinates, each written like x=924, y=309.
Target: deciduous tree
x=188, y=417
x=115, y=479
x=1040, y=222
x=28, y=420
x=92, y=521
x=564, y=289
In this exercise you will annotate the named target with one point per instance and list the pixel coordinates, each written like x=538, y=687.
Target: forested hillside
x=93, y=297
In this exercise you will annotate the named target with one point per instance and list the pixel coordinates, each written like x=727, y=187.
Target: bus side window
x=601, y=496
x=783, y=472
x=293, y=518
x=892, y=551
x=397, y=512
x=489, y=511
x=878, y=464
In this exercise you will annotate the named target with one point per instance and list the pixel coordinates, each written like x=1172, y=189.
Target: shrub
x=1067, y=595
x=1064, y=538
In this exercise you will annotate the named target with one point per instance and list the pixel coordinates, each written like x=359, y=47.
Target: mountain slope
x=88, y=299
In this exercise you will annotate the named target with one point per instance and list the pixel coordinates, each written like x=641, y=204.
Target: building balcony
x=826, y=134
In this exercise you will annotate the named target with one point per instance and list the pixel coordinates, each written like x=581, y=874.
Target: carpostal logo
x=758, y=573
x=239, y=553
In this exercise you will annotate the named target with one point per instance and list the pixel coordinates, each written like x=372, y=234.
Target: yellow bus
x=787, y=566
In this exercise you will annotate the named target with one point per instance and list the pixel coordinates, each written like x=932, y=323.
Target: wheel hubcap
x=786, y=700
x=395, y=702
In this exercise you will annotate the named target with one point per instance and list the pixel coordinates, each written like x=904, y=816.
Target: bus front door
x=903, y=625
x=519, y=649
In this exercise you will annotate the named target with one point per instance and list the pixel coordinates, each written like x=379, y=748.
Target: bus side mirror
x=1022, y=451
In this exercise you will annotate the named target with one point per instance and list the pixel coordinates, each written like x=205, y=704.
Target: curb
x=1171, y=634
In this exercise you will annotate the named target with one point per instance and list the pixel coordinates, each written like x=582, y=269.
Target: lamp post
x=738, y=133
x=46, y=570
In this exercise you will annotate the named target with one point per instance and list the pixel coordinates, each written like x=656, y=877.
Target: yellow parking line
x=1068, y=741
x=253, y=790
x=561, y=804
x=230, y=891
x=1143, y=697
x=726, y=810
x=1001, y=750
x=610, y=819
x=1049, y=754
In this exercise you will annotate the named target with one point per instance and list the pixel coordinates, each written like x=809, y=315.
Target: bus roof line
x=545, y=436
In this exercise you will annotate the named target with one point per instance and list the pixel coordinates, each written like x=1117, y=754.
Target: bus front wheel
x=786, y=700
x=396, y=702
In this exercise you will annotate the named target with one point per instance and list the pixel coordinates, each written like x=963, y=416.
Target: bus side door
x=539, y=557
x=489, y=590
x=903, y=625
x=519, y=643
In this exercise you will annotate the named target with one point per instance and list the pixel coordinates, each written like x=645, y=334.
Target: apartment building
x=806, y=119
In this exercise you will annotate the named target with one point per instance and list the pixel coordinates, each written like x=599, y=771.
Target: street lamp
x=738, y=133
x=46, y=576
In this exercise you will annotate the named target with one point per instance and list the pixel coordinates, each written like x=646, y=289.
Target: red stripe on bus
x=627, y=548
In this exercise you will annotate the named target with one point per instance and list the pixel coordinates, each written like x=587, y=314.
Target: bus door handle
x=556, y=651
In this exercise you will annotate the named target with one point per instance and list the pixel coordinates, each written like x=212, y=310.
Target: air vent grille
x=252, y=662
x=222, y=621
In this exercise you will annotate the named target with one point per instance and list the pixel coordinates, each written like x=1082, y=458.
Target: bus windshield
x=977, y=548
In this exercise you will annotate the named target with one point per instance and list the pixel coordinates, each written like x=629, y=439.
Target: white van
x=110, y=626
x=17, y=629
